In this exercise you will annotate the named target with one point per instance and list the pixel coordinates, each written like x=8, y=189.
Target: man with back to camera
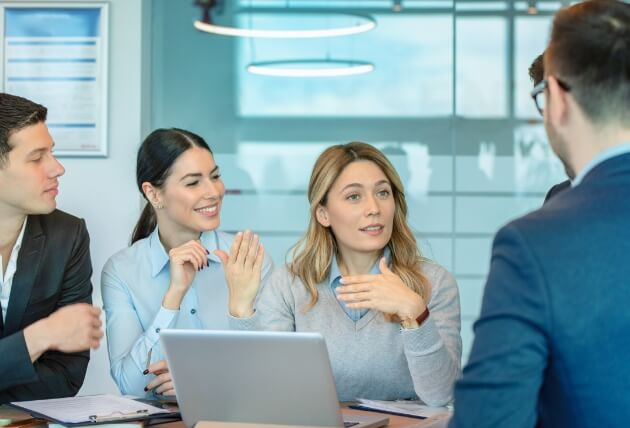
x=537, y=74
x=551, y=346
x=48, y=323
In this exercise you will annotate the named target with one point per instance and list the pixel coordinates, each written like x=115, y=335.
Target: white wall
x=103, y=190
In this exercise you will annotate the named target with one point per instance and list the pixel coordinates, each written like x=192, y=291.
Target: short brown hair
x=590, y=51
x=16, y=113
x=537, y=70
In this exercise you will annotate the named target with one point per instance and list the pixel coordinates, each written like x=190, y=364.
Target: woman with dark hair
x=172, y=275
x=390, y=317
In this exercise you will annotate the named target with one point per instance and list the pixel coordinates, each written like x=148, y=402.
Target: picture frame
x=56, y=54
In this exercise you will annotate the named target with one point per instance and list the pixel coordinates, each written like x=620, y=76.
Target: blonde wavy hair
x=312, y=254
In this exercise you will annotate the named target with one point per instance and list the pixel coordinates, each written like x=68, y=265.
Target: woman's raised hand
x=185, y=261
x=242, y=272
x=384, y=292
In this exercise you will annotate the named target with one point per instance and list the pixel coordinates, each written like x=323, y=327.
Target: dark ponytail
x=156, y=156
x=146, y=223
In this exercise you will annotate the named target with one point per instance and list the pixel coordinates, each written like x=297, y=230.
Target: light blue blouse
x=133, y=284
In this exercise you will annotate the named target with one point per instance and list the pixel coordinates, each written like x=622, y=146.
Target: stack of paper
x=404, y=407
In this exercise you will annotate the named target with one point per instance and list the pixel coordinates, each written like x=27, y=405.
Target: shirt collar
x=18, y=243
x=335, y=273
x=603, y=156
x=159, y=256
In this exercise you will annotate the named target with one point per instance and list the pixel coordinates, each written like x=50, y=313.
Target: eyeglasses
x=538, y=93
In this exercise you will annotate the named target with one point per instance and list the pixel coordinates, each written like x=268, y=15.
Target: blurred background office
x=444, y=93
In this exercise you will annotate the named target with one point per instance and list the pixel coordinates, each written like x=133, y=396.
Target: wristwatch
x=408, y=325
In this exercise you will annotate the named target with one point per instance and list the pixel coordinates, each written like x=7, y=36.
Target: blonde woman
x=390, y=318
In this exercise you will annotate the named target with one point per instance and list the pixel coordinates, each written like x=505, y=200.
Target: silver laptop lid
x=256, y=377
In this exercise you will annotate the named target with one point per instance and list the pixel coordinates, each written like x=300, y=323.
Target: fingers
x=94, y=310
x=252, y=252
x=382, y=265
x=166, y=388
x=354, y=288
x=236, y=245
x=93, y=332
x=95, y=339
x=244, y=248
x=223, y=256
x=158, y=381
x=191, y=252
x=260, y=257
x=355, y=297
x=158, y=367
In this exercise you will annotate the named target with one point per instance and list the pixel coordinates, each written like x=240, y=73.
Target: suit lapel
x=27, y=268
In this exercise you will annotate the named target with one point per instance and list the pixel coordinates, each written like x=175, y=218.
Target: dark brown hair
x=156, y=157
x=16, y=113
x=537, y=70
x=590, y=51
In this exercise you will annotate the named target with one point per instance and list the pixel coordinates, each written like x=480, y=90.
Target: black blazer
x=53, y=270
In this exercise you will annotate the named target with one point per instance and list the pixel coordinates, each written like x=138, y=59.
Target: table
x=394, y=422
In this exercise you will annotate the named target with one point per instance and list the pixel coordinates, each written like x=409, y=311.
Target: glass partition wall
x=448, y=101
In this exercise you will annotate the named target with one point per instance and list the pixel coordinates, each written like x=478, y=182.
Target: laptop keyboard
x=349, y=424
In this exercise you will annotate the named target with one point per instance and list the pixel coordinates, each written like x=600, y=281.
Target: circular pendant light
x=367, y=23
x=310, y=68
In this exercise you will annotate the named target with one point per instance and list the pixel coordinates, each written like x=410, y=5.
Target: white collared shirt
x=6, y=278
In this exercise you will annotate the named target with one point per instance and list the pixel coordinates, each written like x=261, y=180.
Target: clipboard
x=95, y=410
x=387, y=412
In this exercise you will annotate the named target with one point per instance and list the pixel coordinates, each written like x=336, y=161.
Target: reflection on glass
x=536, y=167
x=413, y=75
x=482, y=67
x=486, y=159
x=530, y=40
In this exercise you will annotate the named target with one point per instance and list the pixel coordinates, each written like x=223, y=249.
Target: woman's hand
x=163, y=383
x=185, y=261
x=242, y=272
x=384, y=292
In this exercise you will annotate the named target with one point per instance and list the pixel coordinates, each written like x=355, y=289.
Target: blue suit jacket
x=552, y=344
x=557, y=189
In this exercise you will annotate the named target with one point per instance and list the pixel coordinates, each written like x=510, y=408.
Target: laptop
x=256, y=377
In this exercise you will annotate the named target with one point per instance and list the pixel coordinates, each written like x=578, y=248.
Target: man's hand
x=72, y=328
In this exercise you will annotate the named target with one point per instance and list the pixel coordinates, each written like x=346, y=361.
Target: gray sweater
x=372, y=358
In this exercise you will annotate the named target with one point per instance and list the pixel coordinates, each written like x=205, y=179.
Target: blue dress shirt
x=335, y=278
x=600, y=158
x=133, y=285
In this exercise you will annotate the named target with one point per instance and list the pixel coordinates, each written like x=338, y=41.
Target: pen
x=117, y=416
x=146, y=370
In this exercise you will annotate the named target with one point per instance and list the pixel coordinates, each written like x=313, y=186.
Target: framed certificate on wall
x=56, y=55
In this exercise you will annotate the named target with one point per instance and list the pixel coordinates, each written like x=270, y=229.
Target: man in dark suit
x=47, y=322
x=551, y=347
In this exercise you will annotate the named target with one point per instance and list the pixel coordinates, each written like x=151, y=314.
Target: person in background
x=171, y=276
x=391, y=318
x=550, y=347
x=47, y=321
